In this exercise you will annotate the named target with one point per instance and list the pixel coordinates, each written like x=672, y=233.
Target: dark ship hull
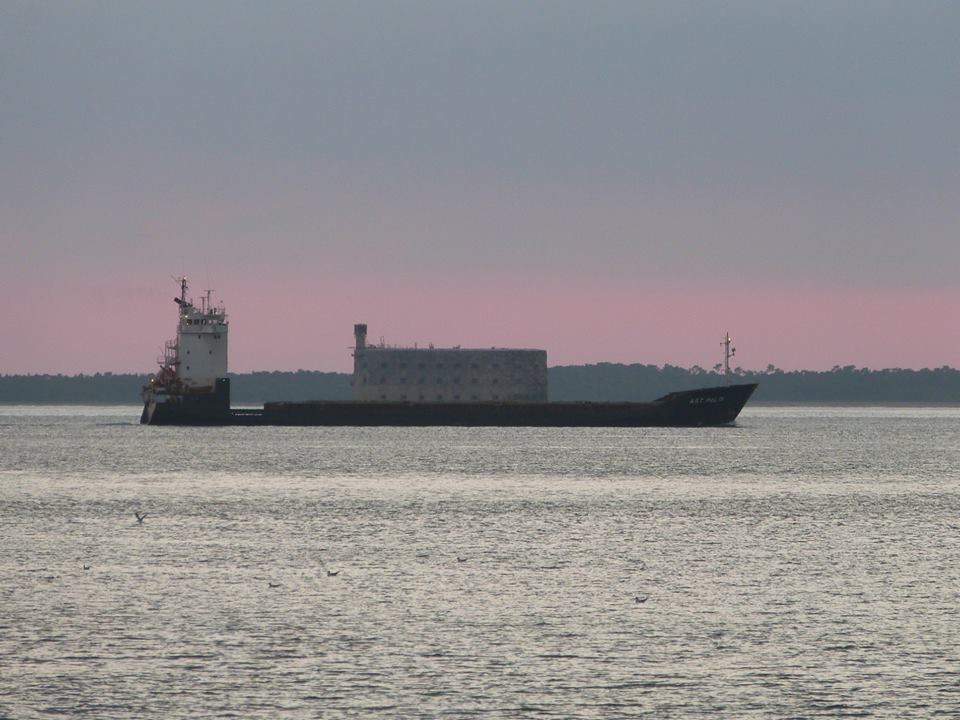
x=689, y=408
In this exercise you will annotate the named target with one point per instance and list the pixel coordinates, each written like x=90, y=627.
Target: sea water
x=805, y=563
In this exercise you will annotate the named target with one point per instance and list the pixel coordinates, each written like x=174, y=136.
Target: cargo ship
x=408, y=386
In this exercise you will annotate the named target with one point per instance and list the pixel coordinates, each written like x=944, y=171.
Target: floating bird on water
x=140, y=518
x=330, y=573
x=461, y=559
x=639, y=599
x=86, y=567
x=273, y=585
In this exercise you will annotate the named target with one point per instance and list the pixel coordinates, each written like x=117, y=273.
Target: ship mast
x=728, y=352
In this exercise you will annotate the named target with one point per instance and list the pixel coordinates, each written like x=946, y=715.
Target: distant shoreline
x=603, y=382
x=751, y=404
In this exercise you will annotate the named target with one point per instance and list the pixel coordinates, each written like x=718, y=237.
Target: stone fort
x=397, y=374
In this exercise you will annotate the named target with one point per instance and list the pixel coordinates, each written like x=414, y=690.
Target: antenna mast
x=728, y=352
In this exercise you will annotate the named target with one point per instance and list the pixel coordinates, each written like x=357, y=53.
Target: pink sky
x=304, y=322
x=622, y=183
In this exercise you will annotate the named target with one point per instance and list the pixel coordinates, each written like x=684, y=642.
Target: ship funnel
x=360, y=335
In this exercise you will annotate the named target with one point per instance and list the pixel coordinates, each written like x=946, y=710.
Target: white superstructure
x=201, y=341
x=198, y=356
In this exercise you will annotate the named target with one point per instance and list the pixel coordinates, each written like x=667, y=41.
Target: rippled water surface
x=805, y=563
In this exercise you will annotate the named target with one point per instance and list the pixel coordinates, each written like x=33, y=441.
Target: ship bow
x=706, y=406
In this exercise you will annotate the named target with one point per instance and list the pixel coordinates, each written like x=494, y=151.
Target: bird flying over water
x=140, y=518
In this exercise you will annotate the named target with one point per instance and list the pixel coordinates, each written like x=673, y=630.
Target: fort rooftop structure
x=435, y=375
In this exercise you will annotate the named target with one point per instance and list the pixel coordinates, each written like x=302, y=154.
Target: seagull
x=273, y=585
x=86, y=567
x=331, y=573
x=140, y=518
x=639, y=599
x=461, y=559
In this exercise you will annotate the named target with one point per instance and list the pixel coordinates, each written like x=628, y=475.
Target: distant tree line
x=112, y=388
x=601, y=382
x=611, y=382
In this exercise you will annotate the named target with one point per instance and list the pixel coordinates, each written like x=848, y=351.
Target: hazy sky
x=610, y=181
